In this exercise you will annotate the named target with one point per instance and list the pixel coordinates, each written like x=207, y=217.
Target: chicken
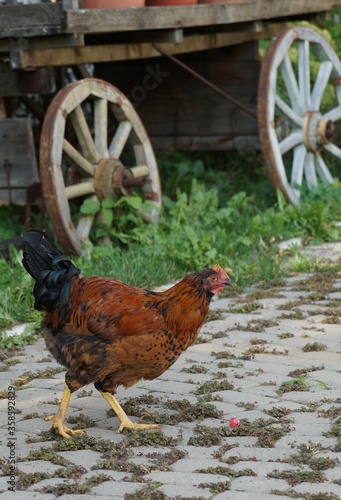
x=109, y=333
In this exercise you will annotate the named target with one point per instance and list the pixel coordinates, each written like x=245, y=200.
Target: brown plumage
x=109, y=333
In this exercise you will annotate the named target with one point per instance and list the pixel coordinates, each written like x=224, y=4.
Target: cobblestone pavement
x=270, y=357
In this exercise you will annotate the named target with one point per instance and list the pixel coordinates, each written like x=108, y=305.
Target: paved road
x=269, y=357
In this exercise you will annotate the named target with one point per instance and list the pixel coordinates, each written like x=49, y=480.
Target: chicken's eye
x=213, y=278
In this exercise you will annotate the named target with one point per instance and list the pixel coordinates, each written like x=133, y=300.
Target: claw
x=61, y=428
x=126, y=423
x=135, y=426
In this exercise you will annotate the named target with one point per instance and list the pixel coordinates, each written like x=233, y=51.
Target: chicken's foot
x=126, y=423
x=58, y=419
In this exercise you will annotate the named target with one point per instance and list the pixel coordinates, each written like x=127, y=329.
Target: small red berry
x=234, y=422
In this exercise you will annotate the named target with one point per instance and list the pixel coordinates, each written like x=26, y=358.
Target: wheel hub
x=110, y=177
x=317, y=131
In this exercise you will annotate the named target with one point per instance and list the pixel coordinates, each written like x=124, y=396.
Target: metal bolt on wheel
x=296, y=130
x=85, y=134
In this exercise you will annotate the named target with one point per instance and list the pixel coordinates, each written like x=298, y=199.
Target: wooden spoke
x=338, y=93
x=322, y=170
x=85, y=222
x=334, y=114
x=81, y=189
x=334, y=150
x=140, y=171
x=304, y=72
x=291, y=86
x=302, y=128
x=141, y=150
x=120, y=138
x=288, y=112
x=298, y=163
x=309, y=170
x=101, y=126
x=320, y=85
x=85, y=111
x=84, y=136
x=295, y=138
x=100, y=219
x=144, y=156
x=83, y=164
x=84, y=225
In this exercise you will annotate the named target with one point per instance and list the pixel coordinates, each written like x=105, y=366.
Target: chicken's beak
x=230, y=283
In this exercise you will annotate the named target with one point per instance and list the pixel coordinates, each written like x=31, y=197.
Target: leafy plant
x=122, y=219
x=202, y=223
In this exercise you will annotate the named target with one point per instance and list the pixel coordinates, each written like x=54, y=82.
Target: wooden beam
x=31, y=20
x=71, y=4
x=41, y=42
x=160, y=36
x=49, y=18
x=2, y=108
x=207, y=143
x=17, y=83
x=17, y=159
x=147, y=18
x=121, y=52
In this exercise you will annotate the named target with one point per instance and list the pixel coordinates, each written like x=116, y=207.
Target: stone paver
x=286, y=395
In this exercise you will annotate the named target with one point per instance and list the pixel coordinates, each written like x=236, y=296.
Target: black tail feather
x=50, y=268
x=38, y=252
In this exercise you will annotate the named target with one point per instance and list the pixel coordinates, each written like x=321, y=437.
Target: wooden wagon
x=168, y=68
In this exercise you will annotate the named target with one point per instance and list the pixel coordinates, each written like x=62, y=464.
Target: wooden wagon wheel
x=296, y=130
x=86, y=130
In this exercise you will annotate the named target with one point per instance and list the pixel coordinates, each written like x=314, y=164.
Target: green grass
x=202, y=223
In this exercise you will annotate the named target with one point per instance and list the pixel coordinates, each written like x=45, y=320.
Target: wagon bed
x=67, y=18
x=60, y=34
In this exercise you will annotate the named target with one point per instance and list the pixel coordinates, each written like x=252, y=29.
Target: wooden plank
x=18, y=83
x=126, y=51
x=179, y=111
x=111, y=20
x=2, y=108
x=53, y=18
x=18, y=165
x=41, y=42
x=209, y=143
x=31, y=20
x=71, y=4
x=158, y=36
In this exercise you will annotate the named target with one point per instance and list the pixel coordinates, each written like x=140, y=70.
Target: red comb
x=219, y=270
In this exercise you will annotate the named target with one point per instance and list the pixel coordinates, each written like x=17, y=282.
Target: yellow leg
x=58, y=419
x=126, y=423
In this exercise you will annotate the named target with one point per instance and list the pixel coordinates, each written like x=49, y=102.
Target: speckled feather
x=130, y=333
x=110, y=333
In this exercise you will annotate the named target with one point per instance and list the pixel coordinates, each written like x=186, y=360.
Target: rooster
x=109, y=333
